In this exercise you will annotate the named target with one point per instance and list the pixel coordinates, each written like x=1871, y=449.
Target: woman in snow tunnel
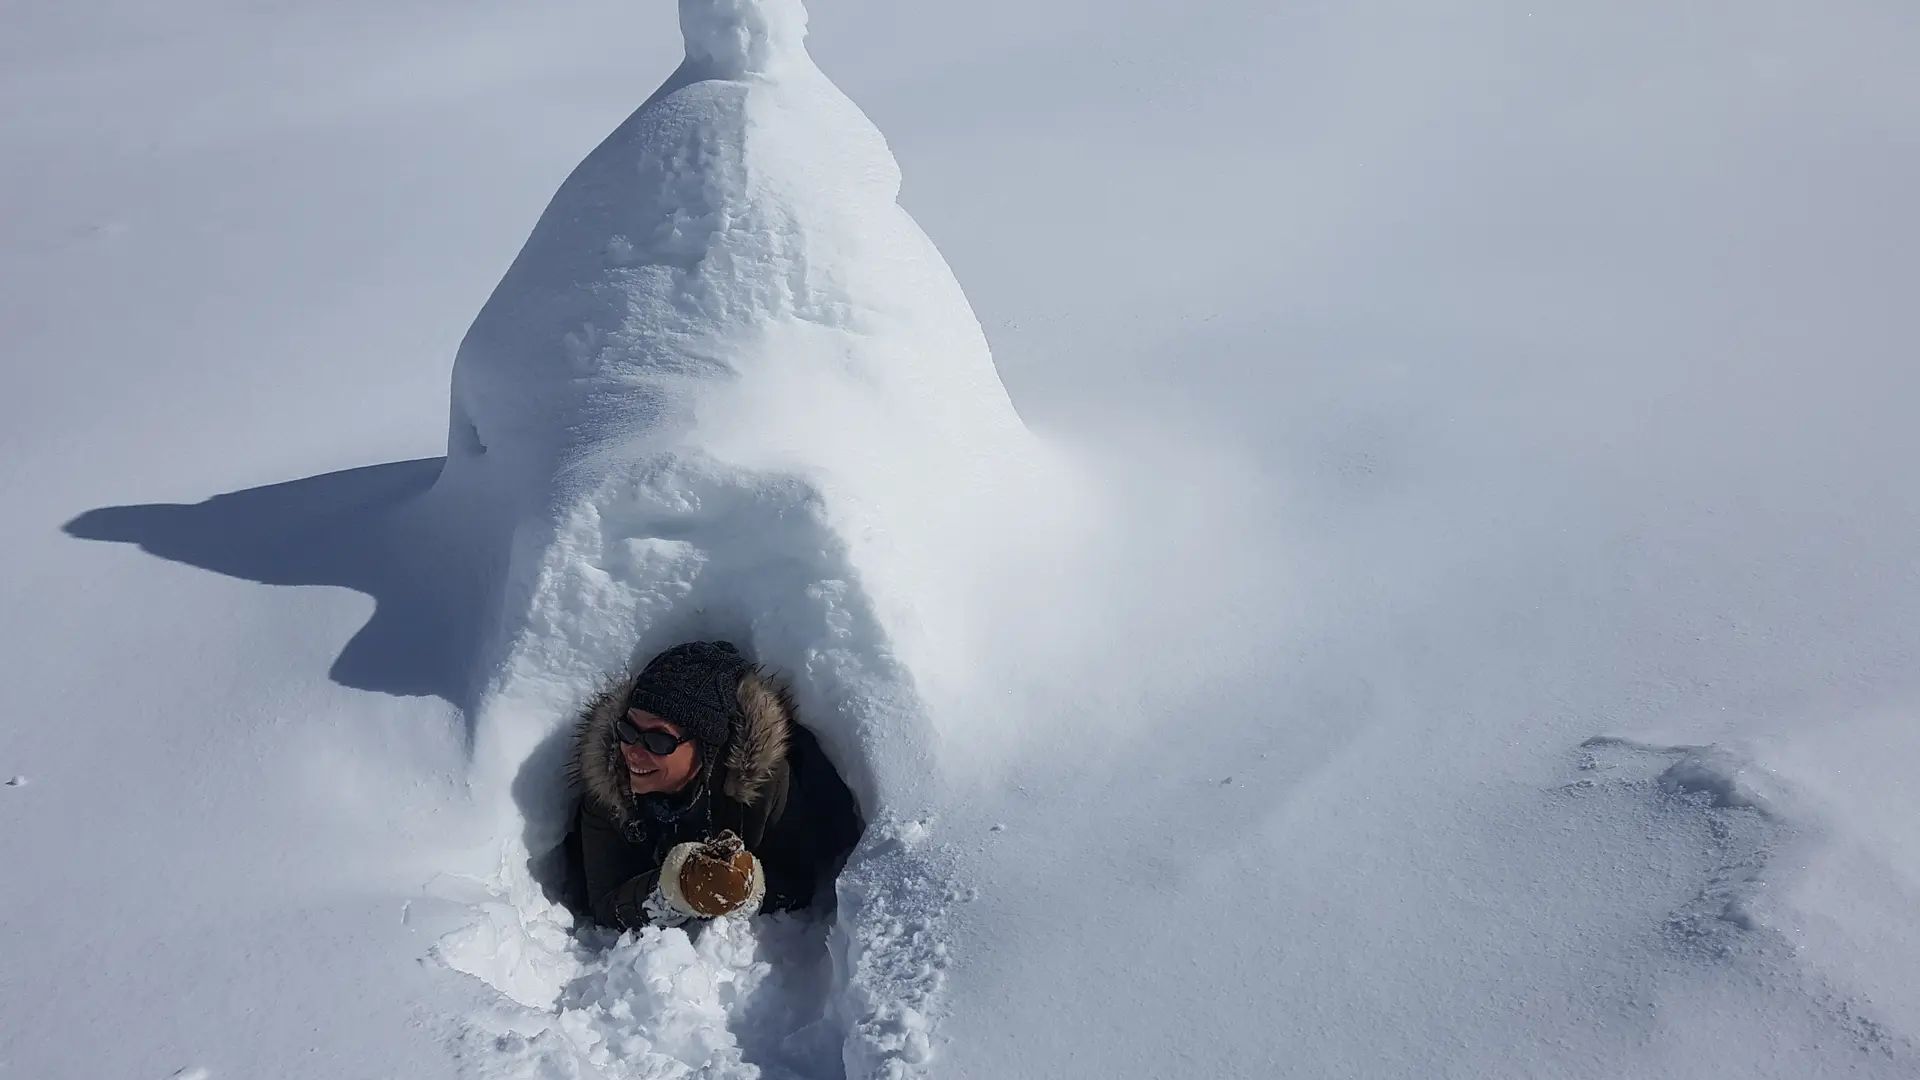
x=701, y=796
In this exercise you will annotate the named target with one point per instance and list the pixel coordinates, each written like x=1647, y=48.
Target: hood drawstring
x=651, y=810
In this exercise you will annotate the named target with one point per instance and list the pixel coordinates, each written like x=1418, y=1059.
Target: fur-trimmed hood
x=763, y=721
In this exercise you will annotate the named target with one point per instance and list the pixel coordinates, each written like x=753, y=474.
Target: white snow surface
x=1445, y=604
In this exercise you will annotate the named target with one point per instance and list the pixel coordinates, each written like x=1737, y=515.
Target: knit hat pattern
x=696, y=687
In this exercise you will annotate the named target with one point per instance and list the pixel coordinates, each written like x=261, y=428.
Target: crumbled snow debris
x=896, y=948
x=663, y=1002
x=18, y=781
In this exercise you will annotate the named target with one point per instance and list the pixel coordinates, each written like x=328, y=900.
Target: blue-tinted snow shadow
x=363, y=529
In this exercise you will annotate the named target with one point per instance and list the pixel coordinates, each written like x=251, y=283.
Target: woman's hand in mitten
x=715, y=878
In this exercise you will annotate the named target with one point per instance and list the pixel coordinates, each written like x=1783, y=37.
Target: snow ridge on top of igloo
x=741, y=37
x=741, y=224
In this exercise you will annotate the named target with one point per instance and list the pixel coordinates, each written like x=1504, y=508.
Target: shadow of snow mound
x=360, y=529
x=729, y=389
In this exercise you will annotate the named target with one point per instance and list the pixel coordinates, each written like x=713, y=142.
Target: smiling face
x=649, y=773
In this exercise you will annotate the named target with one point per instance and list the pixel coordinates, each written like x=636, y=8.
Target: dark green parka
x=770, y=784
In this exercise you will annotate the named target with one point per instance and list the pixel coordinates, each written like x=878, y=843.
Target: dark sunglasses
x=657, y=743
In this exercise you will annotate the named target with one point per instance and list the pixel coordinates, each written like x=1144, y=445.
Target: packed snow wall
x=729, y=389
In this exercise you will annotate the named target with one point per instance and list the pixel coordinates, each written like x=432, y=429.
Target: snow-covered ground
x=1437, y=595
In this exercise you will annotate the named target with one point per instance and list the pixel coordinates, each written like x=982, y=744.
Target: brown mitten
x=719, y=877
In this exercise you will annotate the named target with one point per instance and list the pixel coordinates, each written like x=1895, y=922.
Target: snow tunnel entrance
x=624, y=989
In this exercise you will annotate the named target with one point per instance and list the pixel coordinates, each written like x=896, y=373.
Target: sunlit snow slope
x=1446, y=606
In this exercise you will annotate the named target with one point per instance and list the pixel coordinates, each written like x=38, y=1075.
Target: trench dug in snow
x=671, y=414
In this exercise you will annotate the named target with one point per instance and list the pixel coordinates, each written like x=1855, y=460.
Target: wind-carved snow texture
x=1748, y=831
x=1743, y=828
x=727, y=389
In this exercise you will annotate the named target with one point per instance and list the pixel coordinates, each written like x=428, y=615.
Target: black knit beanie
x=696, y=687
